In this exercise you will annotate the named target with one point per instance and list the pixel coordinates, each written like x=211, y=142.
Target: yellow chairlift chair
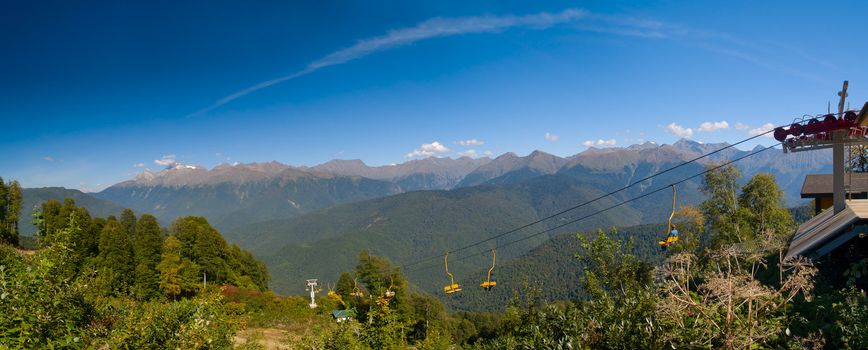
x=356, y=291
x=490, y=282
x=390, y=292
x=672, y=233
x=452, y=287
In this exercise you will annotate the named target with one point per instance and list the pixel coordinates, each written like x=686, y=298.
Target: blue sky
x=91, y=94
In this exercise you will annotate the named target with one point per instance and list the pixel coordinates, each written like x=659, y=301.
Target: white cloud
x=551, y=137
x=713, y=126
x=47, y=158
x=167, y=161
x=488, y=153
x=471, y=142
x=468, y=153
x=599, y=143
x=679, y=130
x=434, y=147
x=762, y=129
x=428, y=150
x=139, y=165
x=740, y=126
x=419, y=153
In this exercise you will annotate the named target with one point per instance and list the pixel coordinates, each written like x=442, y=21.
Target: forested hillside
x=236, y=195
x=127, y=282
x=34, y=197
x=550, y=271
x=121, y=282
x=724, y=284
x=417, y=224
x=407, y=226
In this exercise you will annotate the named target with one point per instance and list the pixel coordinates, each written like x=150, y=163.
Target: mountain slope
x=510, y=168
x=419, y=174
x=550, y=269
x=230, y=196
x=394, y=226
x=411, y=225
x=33, y=198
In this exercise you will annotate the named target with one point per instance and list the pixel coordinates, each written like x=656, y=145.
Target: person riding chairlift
x=670, y=239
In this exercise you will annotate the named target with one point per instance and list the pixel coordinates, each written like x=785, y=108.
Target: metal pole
x=312, y=284
x=838, y=195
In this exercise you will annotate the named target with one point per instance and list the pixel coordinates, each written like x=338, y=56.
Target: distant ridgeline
x=310, y=222
x=136, y=256
x=235, y=196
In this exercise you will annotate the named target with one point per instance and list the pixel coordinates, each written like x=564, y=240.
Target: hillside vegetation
x=121, y=283
x=233, y=196
x=128, y=283
x=722, y=285
x=420, y=224
x=34, y=197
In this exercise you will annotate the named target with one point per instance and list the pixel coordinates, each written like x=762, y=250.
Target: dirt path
x=268, y=338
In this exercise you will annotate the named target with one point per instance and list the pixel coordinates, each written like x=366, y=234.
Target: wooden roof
x=821, y=184
x=827, y=231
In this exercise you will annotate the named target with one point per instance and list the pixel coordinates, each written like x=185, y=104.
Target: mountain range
x=307, y=222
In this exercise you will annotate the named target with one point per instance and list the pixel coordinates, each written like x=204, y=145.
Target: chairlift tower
x=847, y=129
x=312, y=287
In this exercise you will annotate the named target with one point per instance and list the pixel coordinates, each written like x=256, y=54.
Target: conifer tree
x=191, y=277
x=148, y=247
x=345, y=284
x=14, y=208
x=116, y=256
x=3, y=204
x=128, y=221
x=211, y=252
x=10, y=210
x=170, y=267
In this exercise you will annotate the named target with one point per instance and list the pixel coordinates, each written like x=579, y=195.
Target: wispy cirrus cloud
x=599, y=143
x=432, y=28
x=468, y=153
x=582, y=20
x=471, y=142
x=551, y=137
